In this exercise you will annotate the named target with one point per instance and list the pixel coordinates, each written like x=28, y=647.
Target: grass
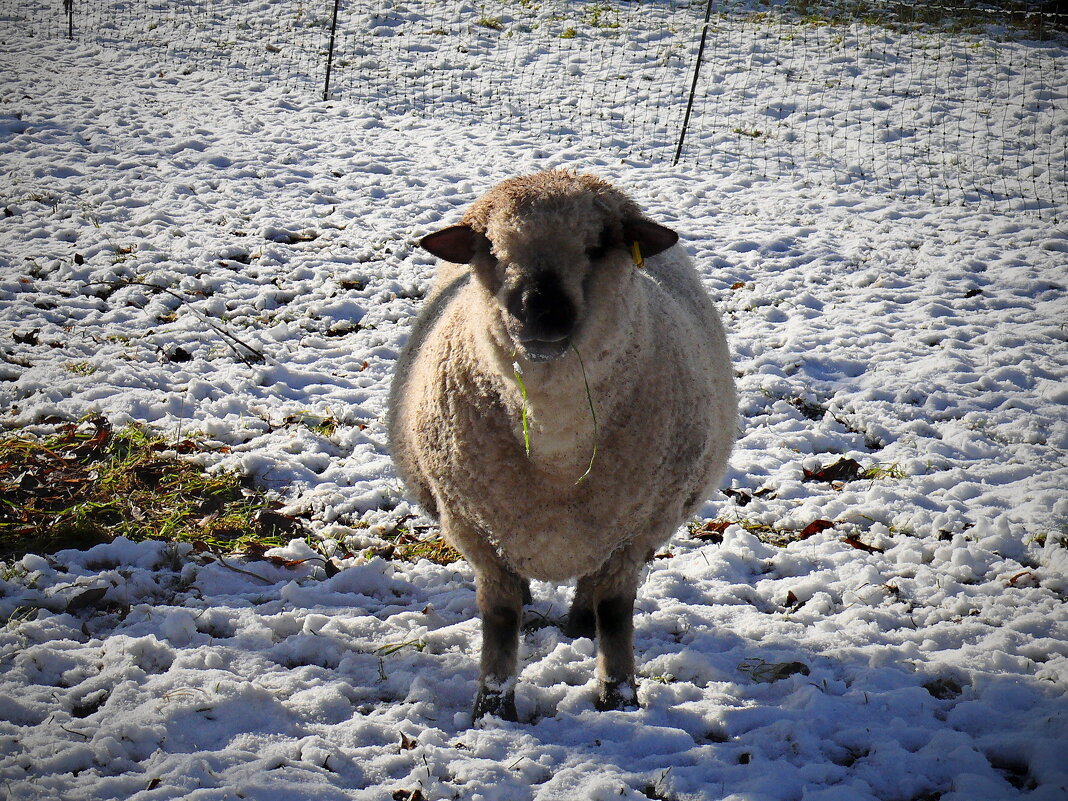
x=323, y=425
x=951, y=18
x=89, y=483
x=712, y=531
x=494, y=23
x=883, y=471
x=405, y=544
x=80, y=368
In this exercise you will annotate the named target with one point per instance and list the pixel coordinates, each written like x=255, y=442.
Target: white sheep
x=561, y=408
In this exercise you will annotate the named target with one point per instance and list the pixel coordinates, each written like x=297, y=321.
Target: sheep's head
x=541, y=244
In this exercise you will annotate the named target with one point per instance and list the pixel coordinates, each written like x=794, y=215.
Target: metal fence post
x=330, y=52
x=68, y=9
x=693, y=86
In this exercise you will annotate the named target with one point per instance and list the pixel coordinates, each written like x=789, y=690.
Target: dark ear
x=457, y=243
x=651, y=237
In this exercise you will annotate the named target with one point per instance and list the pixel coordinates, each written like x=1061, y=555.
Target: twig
x=224, y=563
x=259, y=356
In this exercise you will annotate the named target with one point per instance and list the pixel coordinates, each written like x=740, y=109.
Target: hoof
x=617, y=695
x=494, y=702
x=581, y=623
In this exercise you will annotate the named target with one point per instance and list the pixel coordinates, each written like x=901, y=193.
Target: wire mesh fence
x=952, y=103
x=955, y=103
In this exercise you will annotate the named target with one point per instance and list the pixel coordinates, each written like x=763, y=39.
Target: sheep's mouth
x=544, y=350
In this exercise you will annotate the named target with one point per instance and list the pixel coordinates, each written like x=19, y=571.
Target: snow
x=928, y=338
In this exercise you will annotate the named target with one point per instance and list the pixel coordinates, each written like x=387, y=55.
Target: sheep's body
x=650, y=347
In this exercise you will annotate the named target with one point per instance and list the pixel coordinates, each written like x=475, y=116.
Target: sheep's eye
x=597, y=251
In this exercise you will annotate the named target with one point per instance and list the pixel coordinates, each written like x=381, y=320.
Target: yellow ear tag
x=636, y=254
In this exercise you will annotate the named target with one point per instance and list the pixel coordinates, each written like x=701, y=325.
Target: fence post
x=330, y=52
x=68, y=9
x=693, y=86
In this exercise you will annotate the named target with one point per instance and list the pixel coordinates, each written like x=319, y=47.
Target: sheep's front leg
x=604, y=605
x=500, y=594
x=500, y=603
x=615, y=652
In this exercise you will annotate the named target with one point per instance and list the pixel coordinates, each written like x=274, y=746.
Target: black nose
x=543, y=309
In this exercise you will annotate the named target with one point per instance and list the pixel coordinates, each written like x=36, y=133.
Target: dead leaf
x=740, y=497
x=281, y=561
x=86, y=599
x=844, y=469
x=712, y=531
x=275, y=522
x=96, y=443
x=26, y=339
x=1023, y=577
x=944, y=689
x=861, y=546
x=407, y=743
x=770, y=672
x=814, y=528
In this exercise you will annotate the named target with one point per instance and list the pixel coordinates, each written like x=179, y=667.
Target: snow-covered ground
x=927, y=340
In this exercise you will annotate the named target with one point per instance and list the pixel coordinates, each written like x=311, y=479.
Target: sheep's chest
x=549, y=525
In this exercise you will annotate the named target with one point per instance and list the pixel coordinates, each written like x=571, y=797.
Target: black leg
x=581, y=621
x=500, y=603
x=615, y=652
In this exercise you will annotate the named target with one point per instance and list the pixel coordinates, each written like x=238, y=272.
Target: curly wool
x=658, y=370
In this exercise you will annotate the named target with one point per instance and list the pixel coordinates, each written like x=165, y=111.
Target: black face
x=542, y=317
x=540, y=278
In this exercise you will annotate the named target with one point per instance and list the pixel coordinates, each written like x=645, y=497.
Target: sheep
x=561, y=410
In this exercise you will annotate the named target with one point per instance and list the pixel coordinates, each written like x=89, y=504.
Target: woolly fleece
x=659, y=375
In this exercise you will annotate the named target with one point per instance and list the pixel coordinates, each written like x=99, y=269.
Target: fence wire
x=953, y=103
x=956, y=103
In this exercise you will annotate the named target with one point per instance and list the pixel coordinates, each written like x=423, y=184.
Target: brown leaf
x=861, y=546
x=844, y=469
x=29, y=338
x=254, y=550
x=712, y=531
x=275, y=522
x=740, y=497
x=86, y=599
x=281, y=561
x=738, y=285
x=96, y=443
x=407, y=743
x=813, y=528
x=771, y=672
